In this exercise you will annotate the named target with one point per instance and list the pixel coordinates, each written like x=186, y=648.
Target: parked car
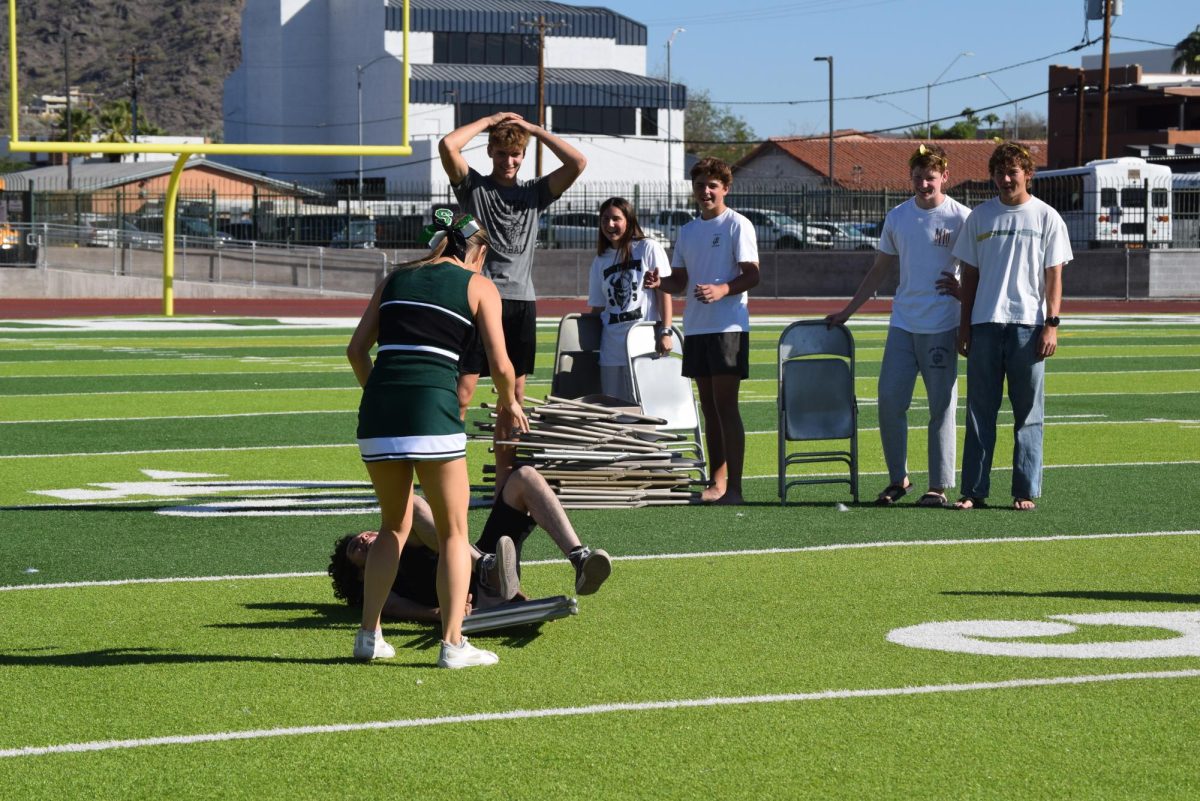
x=669, y=221
x=580, y=230
x=355, y=234
x=848, y=236
x=111, y=233
x=194, y=230
x=777, y=230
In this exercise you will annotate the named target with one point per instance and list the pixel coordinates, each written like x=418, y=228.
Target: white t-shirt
x=924, y=240
x=617, y=288
x=710, y=251
x=1012, y=246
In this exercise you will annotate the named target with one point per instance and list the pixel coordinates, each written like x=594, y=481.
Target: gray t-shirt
x=510, y=216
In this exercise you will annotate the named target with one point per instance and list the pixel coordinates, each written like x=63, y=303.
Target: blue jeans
x=998, y=352
x=935, y=358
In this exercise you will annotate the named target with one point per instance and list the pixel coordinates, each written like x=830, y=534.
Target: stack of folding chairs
x=597, y=455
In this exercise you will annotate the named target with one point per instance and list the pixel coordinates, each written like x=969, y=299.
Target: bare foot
x=712, y=494
x=729, y=499
x=1023, y=505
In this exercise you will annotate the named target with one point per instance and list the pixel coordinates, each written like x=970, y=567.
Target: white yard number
x=1001, y=637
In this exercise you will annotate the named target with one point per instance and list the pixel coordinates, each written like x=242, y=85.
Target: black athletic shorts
x=519, y=318
x=717, y=354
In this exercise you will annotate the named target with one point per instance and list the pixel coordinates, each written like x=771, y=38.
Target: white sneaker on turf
x=370, y=645
x=464, y=655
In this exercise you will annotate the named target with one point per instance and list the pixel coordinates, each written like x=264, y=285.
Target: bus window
x=1108, y=196
x=1160, y=198
x=1133, y=197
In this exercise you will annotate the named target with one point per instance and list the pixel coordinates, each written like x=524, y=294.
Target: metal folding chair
x=816, y=401
x=660, y=388
x=577, y=357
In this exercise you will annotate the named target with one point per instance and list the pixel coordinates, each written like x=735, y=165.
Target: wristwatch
x=1053, y=321
x=667, y=332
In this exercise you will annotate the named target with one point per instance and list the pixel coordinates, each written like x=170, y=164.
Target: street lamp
x=1016, y=107
x=359, y=70
x=670, y=97
x=929, y=88
x=830, y=60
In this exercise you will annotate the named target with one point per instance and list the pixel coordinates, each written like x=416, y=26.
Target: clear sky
x=756, y=56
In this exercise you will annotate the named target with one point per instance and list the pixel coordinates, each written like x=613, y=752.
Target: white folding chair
x=577, y=357
x=816, y=401
x=661, y=389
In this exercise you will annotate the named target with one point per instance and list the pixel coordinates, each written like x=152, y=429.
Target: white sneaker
x=464, y=655
x=370, y=645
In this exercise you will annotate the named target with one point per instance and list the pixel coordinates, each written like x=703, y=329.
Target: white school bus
x=1111, y=203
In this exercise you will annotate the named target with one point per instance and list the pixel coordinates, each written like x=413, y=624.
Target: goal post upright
x=184, y=151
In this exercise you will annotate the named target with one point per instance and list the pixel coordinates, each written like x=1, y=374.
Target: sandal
x=933, y=499
x=966, y=503
x=891, y=494
x=1019, y=505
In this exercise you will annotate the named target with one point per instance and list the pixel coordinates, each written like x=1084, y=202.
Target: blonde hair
x=929, y=157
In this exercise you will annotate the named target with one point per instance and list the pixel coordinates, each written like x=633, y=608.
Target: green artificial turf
x=269, y=410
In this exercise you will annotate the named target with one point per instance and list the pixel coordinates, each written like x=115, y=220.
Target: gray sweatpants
x=935, y=357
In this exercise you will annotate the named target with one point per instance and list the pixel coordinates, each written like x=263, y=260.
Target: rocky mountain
x=184, y=50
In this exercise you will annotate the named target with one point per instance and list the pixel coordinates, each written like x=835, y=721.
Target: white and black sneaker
x=464, y=655
x=592, y=567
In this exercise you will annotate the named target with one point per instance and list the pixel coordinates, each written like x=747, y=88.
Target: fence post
x=1146, y=206
x=1127, y=275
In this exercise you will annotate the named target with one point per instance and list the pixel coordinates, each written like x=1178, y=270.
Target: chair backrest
x=577, y=357
x=664, y=392
x=813, y=338
x=640, y=340
x=818, y=399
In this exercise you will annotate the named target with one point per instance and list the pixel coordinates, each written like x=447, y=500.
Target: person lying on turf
x=524, y=502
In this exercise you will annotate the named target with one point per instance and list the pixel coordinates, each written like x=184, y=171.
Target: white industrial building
x=311, y=67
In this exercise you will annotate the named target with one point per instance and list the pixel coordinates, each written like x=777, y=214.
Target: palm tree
x=1187, y=53
x=116, y=123
x=83, y=125
x=991, y=118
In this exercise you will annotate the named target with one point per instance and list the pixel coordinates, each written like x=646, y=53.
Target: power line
x=889, y=93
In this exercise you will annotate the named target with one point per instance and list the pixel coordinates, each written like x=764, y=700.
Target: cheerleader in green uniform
x=422, y=315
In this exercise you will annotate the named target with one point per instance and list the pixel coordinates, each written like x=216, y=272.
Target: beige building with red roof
x=863, y=161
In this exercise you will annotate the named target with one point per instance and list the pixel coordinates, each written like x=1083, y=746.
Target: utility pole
x=1079, y=87
x=67, y=35
x=134, y=80
x=542, y=26
x=1104, y=81
x=670, y=95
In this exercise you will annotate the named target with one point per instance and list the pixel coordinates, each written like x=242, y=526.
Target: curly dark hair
x=347, y=578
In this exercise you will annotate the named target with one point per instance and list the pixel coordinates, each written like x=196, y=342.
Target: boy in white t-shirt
x=919, y=235
x=624, y=256
x=1012, y=252
x=716, y=260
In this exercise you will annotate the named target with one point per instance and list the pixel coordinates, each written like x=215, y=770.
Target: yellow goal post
x=185, y=151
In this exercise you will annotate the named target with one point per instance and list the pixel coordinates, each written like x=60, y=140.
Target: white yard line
x=594, y=709
x=59, y=421
x=849, y=546
x=175, y=450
